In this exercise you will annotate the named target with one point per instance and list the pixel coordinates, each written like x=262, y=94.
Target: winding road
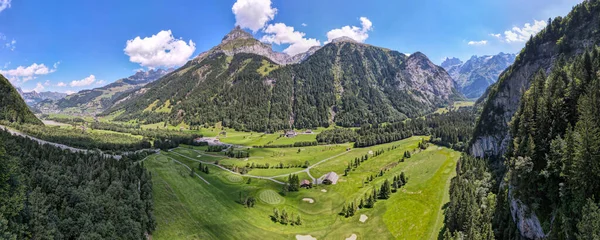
x=79, y=150
x=65, y=147
x=272, y=178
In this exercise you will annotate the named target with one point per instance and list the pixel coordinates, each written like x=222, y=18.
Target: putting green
x=234, y=178
x=270, y=197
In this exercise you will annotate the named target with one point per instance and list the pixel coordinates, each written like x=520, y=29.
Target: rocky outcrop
x=425, y=77
x=526, y=220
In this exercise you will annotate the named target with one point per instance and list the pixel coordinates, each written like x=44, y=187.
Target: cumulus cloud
x=101, y=82
x=4, y=4
x=25, y=74
x=69, y=92
x=83, y=82
x=160, y=50
x=280, y=33
x=61, y=84
x=47, y=83
x=304, y=24
x=478, y=43
x=359, y=34
x=523, y=34
x=39, y=87
x=253, y=14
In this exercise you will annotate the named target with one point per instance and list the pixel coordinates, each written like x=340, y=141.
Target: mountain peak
x=448, y=62
x=343, y=39
x=236, y=33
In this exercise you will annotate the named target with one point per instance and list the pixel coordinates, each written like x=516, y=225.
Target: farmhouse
x=330, y=178
x=305, y=183
x=290, y=133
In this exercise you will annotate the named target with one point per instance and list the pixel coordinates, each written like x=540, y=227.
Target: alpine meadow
x=305, y=120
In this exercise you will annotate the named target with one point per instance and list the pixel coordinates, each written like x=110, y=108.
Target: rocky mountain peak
x=343, y=39
x=451, y=62
x=236, y=33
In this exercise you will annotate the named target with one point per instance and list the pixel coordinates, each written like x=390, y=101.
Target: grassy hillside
x=189, y=208
x=12, y=106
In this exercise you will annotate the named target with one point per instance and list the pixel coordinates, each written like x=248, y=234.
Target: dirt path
x=186, y=166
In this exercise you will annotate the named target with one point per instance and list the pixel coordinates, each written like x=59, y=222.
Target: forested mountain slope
x=96, y=100
x=475, y=75
x=49, y=193
x=569, y=36
x=12, y=106
x=541, y=180
x=344, y=83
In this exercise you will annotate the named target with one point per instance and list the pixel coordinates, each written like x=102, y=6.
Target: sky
x=71, y=45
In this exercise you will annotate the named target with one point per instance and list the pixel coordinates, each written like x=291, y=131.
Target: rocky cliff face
x=491, y=135
x=427, y=78
x=474, y=76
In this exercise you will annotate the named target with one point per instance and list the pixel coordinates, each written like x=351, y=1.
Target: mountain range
x=244, y=84
x=96, y=100
x=475, y=75
x=33, y=97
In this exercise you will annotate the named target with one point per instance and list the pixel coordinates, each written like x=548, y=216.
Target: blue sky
x=72, y=45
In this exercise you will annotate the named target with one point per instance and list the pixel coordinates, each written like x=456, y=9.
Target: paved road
x=65, y=147
x=272, y=178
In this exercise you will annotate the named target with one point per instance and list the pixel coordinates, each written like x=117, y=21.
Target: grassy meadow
x=188, y=208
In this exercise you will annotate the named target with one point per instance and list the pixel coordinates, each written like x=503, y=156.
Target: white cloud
x=359, y=34
x=478, y=43
x=279, y=34
x=6, y=64
x=27, y=73
x=47, y=83
x=61, y=84
x=496, y=35
x=69, y=92
x=253, y=14
x=39, y=87
x=83, y=82
x=4, y=4
x=11, y=45
x=160, y=50
x=101, y=82
x=304, y=24
x=523, y=34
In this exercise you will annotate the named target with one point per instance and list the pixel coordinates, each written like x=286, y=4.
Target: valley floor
x=205, y=206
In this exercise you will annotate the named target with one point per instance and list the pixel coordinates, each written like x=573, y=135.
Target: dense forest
x=552, y=165
x=452, y=129
x=48, y=193
x=81, y=137
x=12, y=106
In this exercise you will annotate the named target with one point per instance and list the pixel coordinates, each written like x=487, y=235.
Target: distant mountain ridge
x=475, y=75
x=244, y=84
x=90, y=102
x=33, y=97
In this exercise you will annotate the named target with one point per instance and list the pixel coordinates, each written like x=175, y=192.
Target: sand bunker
x=323, y=190
x=309, y=200
x=353, y=237
x=305, y=237
x=363, y=218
